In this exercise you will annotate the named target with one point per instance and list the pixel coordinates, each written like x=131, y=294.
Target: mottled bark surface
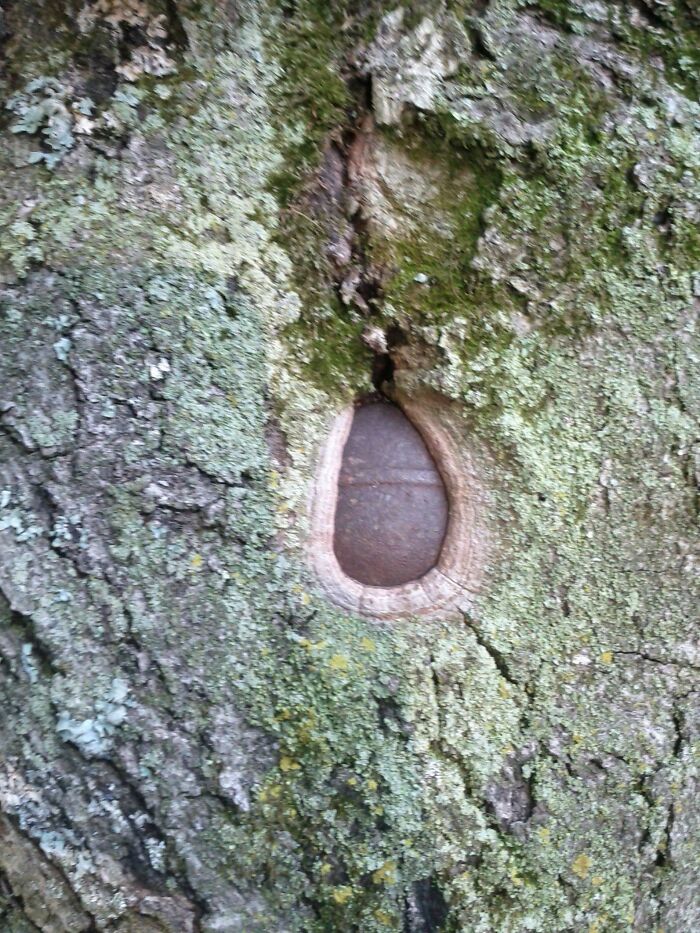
x=221, y=222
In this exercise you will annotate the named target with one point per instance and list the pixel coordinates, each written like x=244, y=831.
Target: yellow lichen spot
x=288, y=764
x=232, y=400
x=503, y=690
x=196, y=562
x=339, y=662
x=577, y=738
x=515, y=878
x=276, y=791
x=594, y=927
x=325, y=868
x=352, y=781
x=545, y=835
x=312, y=645
x=372, y=784
x=367, y=644
x=378, y=811
x=386, y=874
x=274, y=479
x=581, y=865
x=284, y=714
x=597, y=880
x=383, y=917
x=607, y=657
x=305, y=599
x=342, y=894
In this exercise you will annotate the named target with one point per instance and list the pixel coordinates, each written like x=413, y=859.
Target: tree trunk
x=225, y=221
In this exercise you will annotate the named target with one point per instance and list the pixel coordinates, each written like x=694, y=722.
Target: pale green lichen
x=43, y=108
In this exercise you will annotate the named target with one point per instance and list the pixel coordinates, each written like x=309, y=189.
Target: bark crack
x=496, y=656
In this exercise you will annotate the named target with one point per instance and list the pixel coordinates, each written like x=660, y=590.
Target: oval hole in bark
x=392, y=508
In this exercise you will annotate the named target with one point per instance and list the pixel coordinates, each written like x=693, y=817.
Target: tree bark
x=222, y=223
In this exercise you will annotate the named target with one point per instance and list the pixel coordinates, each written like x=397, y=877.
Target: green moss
x=469, y=183
x=325, y=340
x=672, y=35
x=311, y=97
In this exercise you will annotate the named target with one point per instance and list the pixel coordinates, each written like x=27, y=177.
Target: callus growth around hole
x=392, y=509
x=394, y=532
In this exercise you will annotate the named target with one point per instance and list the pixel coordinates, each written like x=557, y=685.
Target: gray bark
x=221, y=222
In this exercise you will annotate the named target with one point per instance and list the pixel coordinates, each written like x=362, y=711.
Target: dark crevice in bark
x=16, y=902
x=137, y=863
x=664, y=857
x=644, y=656
x=564, y=760
x=435, y=680
x=649, y=14
x=493, y=652
x=425, y=909
x=47, y=665
x=59, y=869
x=25, y=628
x=678, y=722
x=382, y=370
x=246, y=477
x=11, y=432
x=361, y=285
x=357, y=282
x=389, y=716
x=520, y=790
x=479, y=44
x=176, y=28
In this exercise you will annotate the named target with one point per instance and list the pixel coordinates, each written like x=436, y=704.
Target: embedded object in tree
x=392, y=508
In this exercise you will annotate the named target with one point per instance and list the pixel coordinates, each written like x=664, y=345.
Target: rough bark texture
x=207, y=205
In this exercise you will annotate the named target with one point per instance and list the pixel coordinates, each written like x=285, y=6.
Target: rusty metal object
x=392, y=509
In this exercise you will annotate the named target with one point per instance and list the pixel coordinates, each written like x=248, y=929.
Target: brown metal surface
x=392, y=509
